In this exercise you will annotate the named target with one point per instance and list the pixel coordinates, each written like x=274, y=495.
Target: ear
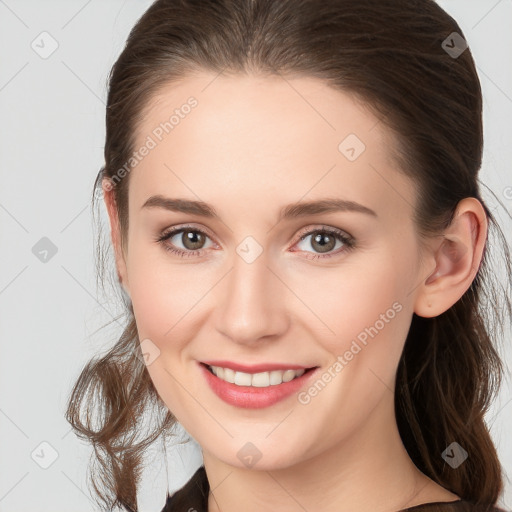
x=456, y=259
x=115, y=232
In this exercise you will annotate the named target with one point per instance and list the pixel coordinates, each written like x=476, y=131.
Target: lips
x=251, y=397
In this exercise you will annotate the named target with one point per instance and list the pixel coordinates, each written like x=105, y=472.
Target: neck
x=368, y=470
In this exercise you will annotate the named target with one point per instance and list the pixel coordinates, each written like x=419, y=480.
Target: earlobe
x=457, y=259
x=115, y=232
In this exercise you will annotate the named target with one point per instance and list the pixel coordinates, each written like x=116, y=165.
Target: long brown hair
x=391, y=54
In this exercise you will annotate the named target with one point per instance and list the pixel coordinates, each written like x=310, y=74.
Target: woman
x=302, y=246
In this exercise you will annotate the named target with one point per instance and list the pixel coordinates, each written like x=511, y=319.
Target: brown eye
x=324, y=241
x=184, y=241
x=192, y=239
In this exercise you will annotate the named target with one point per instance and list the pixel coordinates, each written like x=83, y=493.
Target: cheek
x=364, y=313
x=162, y=292
x=344, y=302
x=367, y=316
x=166, y=305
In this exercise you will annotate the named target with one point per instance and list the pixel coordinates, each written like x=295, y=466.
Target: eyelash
x=348, y=241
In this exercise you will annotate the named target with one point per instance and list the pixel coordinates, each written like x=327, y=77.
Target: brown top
x=194, y=496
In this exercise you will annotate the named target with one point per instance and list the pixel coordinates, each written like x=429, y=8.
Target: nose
x=252, y=302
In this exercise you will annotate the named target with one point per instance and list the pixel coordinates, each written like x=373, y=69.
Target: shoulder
x=453, y=506
x=192, y=496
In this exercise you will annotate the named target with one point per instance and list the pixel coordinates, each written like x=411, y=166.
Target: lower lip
x=250, y=397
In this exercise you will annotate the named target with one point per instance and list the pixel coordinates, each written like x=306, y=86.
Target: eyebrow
x=291, y=211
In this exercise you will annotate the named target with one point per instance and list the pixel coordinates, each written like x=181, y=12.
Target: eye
x=193, y=239
x=324, y=241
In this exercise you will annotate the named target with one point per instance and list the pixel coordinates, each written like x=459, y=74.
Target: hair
x=389, y=54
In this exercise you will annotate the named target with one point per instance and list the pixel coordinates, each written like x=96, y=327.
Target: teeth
x=258, y=380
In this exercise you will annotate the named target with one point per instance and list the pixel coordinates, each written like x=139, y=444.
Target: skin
x=251, y=146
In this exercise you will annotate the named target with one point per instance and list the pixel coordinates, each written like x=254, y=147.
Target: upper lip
x=256, y=368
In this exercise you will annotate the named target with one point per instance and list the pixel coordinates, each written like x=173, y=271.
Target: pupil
x=326, y=246
x=193, y=238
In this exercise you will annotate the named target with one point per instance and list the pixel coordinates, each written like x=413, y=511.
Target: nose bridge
x=251, y=304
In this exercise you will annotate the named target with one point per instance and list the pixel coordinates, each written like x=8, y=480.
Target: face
x=332, y=290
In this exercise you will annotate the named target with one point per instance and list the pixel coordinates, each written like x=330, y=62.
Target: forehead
x=270, y=138
x=259, y=105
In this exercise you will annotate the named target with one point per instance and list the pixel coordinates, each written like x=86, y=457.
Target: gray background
x=51, y=148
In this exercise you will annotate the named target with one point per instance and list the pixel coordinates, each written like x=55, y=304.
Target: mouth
x=256, y=390
x=260, y=379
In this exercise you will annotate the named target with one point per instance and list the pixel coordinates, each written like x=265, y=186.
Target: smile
x=258, y=380
x=255, y=390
